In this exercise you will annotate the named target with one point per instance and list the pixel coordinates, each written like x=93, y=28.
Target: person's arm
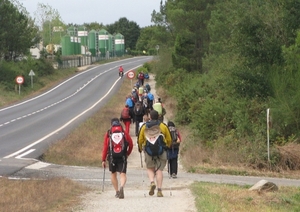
x=141, y=140
x=179, y=137
x=130, y=143
x=166, y=132
x=105, y=148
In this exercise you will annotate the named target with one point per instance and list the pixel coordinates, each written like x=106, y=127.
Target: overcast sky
x=101, y=11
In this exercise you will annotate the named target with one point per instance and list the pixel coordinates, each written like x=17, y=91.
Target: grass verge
x=57, y=194
x=212, y=197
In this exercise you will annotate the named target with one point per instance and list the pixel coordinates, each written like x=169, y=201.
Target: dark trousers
x=173, y=166
x=138, y=119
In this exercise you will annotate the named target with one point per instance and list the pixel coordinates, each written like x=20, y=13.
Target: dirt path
x=177, y=197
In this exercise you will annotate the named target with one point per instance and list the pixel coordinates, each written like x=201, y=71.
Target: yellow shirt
x=164, y=130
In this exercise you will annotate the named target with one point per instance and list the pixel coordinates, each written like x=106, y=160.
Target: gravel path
x=177, y=197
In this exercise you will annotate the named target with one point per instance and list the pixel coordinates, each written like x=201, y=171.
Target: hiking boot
x=117, y=194
x=159, y=193
x=121, y=194
x=174, y=175
x=152, y=188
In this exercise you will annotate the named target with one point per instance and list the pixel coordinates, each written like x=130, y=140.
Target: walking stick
x=169, y=167
x=141, y=159
x=103, y=180
x=142, y=173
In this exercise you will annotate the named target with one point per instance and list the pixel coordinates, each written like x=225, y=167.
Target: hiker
x=145, y=101
x=126, y=117
x=130, y=102
x=140, y=92
x=174, y=150
x=139, y=112
x=134, y=95
x=148, y=88
x=158, y=106
x=145, y=119
x=154, y=138
x=121, y=71
x=151, y=100
x=117, y=160
x=141, y=78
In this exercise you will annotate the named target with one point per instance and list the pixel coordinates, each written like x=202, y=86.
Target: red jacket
x=106, y=145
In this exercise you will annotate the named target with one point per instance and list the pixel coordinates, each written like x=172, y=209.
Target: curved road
x=29, y=127
x=176, y=191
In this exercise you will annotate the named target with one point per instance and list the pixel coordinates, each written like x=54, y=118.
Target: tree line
x=226, y=63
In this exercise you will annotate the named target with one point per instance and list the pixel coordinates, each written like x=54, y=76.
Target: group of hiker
x=157, y=141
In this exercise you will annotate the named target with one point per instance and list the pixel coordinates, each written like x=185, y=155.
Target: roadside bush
x=8, y=73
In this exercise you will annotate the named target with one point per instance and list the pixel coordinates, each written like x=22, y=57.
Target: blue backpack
x=155, y=144
x=150, y=96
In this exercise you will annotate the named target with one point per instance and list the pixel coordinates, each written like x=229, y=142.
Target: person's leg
x=127, y=126
x=175, y=165
x=137, y=123
x=123, y=179
x=114, y=181
x=151, y=174
x=170, y=167
x=159, y=178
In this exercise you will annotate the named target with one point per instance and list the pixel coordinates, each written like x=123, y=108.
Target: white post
x=268, y=132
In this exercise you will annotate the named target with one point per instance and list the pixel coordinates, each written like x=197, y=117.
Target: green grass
x=213, y=197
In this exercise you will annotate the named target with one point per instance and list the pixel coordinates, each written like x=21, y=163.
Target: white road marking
x=38, y=165
x=25, y=153
x=66, y=124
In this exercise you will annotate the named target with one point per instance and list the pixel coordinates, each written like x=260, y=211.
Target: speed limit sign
x=130, y=74
x=19, y=80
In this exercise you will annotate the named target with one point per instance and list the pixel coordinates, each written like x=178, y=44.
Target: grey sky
x=101, y=11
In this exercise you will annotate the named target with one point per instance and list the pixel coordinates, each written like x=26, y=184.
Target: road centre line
x=66, y=124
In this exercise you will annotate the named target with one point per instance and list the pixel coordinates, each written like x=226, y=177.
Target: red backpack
x=117, y=142
x=125, y=113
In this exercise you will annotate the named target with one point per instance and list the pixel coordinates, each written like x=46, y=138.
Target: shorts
x=157, y=162
x=118, y=165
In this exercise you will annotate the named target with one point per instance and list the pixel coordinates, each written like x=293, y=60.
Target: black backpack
x=155, y=145
x=117, y=142
x=174, y=136
x=138, y=109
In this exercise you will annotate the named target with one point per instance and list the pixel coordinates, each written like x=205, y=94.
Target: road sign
x=130, y=74
x=31, y=73
x=19, y=80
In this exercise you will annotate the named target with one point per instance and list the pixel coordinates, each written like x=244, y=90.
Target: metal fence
x=77, y=61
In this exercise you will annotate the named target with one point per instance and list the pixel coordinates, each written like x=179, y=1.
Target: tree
x=189, y=21
x=17, y=31
x=129, y=29
x=47, y=18
x=93, y=26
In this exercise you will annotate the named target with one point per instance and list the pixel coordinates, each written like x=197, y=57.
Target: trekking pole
x=169, y=165
x=103, y=180
x=143, y=185
x=141, y=159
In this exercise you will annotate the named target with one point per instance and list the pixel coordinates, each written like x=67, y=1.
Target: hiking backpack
x=138, y=109
x=117, y=142
x=148, y=88
x=174, y=137
x=135, y=96
x=125, y=113
x=155, y=144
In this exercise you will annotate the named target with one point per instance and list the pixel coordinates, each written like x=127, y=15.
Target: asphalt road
x=29, y=127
